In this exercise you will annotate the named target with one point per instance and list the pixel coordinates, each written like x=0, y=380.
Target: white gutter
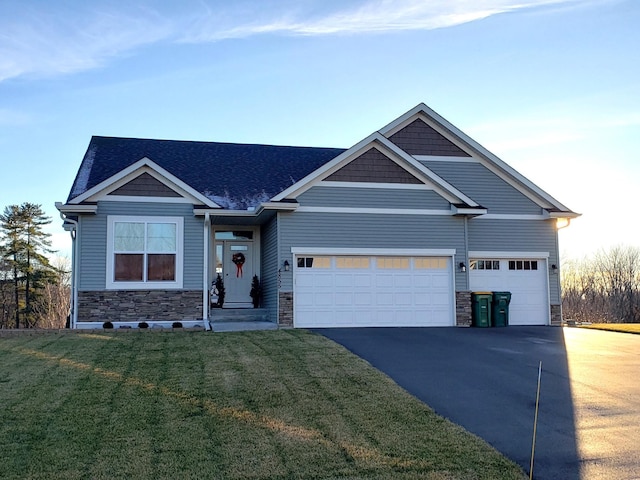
x=205, y=273
x=278, y=206
x=74, y=270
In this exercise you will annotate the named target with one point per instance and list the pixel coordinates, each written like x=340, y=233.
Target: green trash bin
x=481, y=309
x=500, y=309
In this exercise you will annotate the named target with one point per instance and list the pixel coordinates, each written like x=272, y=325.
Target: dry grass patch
x=615, y=327
x=284, y=404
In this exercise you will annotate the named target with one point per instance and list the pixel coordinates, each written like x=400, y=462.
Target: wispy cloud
x=43, y=43
x=50, y=40
x=375, y=16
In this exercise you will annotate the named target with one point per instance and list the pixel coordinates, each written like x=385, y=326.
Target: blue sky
x=550, y=86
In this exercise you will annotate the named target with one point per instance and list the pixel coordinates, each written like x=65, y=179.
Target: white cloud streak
x=40, y=42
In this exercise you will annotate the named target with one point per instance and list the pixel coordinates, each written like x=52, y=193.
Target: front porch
x=237, y=319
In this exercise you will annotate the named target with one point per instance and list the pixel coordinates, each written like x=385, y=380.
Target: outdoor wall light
x=463, y=267
x=286, y=265
x=554, y=267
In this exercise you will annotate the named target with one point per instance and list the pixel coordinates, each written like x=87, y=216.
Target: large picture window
x=144, y=252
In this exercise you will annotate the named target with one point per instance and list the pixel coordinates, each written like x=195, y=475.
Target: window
x=352, y=262
x=485, y=264
x=314, y=262
x=523, y=265
x=393, y=262
x=144, y=252
x=429, y=263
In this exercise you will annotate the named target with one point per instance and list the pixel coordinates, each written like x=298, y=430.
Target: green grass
x=284, y=404
x=615, y=327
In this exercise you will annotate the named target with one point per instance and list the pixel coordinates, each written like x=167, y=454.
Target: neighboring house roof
x=234, y=176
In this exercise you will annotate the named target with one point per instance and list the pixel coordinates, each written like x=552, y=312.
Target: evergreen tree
x=24, y=249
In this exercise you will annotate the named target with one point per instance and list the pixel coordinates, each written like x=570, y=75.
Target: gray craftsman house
x=397, y=230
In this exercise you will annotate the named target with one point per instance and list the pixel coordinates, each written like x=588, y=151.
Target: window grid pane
x=161, y=267
x=129, y=237
x=128, y=267
x=161, y=237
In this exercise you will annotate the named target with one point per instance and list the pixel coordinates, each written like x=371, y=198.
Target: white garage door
x=526, y=279
x=364, y=291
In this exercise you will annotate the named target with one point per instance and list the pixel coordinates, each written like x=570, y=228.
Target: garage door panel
x=529, y=292
x=375, y=291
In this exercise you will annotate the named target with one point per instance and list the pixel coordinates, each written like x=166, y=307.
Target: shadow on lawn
x=485, y=380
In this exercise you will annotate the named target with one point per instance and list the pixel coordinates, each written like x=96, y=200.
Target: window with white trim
x=144, y=252
x=485, y=264
x=523, y=265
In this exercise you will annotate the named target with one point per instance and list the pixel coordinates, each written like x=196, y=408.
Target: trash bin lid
x=482, y=293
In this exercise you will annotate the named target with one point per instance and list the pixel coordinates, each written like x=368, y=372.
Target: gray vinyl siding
x=332, y=230
x=357, y=197
x=93, y=240
x=269, y=268
x=484, y=187
x=518, y=236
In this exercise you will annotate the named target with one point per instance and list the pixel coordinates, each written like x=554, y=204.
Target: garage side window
x=144, y=252
x=485, y=264
x=314, y=262
x=523, y=265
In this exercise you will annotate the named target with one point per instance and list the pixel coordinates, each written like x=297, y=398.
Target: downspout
x=205, y=274
x=466, y=249
x=74, y=270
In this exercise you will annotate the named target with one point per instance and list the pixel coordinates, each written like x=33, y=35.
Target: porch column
x=205, y=271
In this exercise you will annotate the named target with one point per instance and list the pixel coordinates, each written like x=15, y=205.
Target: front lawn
x=284, y=404
x=615, y=327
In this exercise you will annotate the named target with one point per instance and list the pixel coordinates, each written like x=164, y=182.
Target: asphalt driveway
x=486, y=379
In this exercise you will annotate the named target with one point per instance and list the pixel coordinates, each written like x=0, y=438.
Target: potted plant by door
x=256, y=291
x=217, y=292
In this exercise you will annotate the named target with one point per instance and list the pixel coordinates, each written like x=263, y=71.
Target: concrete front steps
x=239, y=319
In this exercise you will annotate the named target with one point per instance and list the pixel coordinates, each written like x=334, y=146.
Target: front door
x=237, y=267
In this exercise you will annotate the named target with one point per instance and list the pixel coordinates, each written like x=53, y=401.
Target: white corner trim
x=377, y=211
x=487, y=254
x=416, y=252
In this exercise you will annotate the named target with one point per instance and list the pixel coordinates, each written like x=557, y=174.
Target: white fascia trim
x=376, y=211
x=135, y=198
x=66, y=208
x=325, y=170
x=508, y=216
x=386, y=186
x=127, y=174
x=564, y=215
x=482, y=254
x=394, y=252
x=468, y=211
x=441, y=122
x=441, y=158
x=285, y=207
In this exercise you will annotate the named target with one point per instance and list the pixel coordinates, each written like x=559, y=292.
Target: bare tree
x=54, y=302
x=605, y=288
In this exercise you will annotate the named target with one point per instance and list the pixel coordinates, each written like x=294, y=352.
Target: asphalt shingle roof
x=238, y=175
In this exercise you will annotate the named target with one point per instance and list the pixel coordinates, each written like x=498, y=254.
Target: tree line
x=34, y=293
x=604, y=288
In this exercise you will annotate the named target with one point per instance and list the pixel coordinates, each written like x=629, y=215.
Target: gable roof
x=232, y=175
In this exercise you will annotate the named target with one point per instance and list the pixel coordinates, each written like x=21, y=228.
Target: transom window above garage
x=314, y=262
x=352, y=262
x=485, y=264
x=393, y=262
x=523, y=265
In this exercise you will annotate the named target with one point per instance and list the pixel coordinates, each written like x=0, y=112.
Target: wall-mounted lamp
x=463, y=267
x=286, y=265
x=554, y=268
